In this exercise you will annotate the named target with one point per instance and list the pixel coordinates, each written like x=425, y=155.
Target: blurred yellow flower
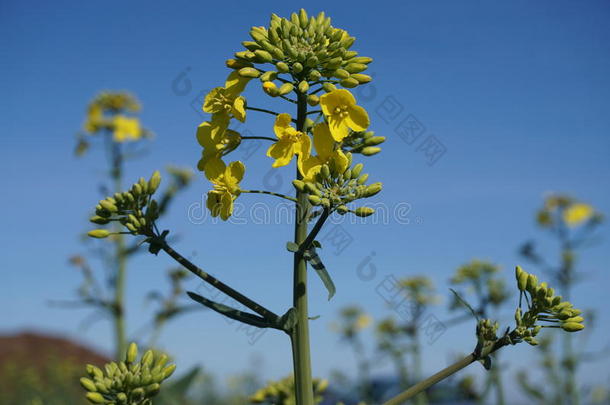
x=95, y=118
x=577, y=213
x=226, y=186
x=340, y=109
x=326, y=150
x=290, y=142
x=126, y=129
x=363, y=321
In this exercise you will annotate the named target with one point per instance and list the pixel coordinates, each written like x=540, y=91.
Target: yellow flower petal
x=323, y=140
x=234, y=173
x=211, y=98
x=358, y=118
x=214, y=169
x=236, y=84
x=226, y=206
x=309, y=167
x=239, y=109
x=282, y=122
x=338, y=128
x=282, y=152
x=303, y=146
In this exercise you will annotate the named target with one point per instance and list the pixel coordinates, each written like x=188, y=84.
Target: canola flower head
x=113, y=112
x=559, y=210
x=306, y=47
x=127, y=382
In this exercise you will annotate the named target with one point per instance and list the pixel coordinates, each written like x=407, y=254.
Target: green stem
x=264, y=138
x=430, y=381
x=299, y=335
x=118, y=304
x=263, y=110
x=269, y=193
x=421, y=398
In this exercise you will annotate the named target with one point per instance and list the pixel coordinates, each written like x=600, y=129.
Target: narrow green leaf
x=232, y=313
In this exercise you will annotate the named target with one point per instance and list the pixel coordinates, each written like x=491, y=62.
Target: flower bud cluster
x=545, y=306
x=128, y=382
x=308, y=48
x=363, y=142
x=283, y=392
x=333, y=188
x=134, y=209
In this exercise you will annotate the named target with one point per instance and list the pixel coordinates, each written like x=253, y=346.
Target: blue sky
x=517, y=93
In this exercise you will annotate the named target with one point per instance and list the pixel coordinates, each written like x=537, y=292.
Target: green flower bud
x=313, y=100
x=312, y=61
x=362, y=179
x=356, y=170
x=96, y=219
x=88, y=385
x=147, y=359
x=370, y=150
x=364, y=211
x=282, y=67
x=144, y=184
x=251, y=46
x=237, y=63
x=95, y=398
x=299, y=185
x=522, y=278
x=577, y=319
x=154, y=182
x=304, y=86
x=361, y=59
x=108, y=206
x=137, y=394
x=277, y=53
x=328, y=87
x=314, y=75
x=572, y=326
x=268, y=76
x=169, y=370
x=374, y=140
x=349, y=83
x=532, y=283
x=362, y=79
x=355, y=67
x=94, y=371
x=99, y=233
x=342, y=209
x=314, y=199
x=263, y=56
x=132, y=353
x=297, y=68
x=341, y=74
x=249, y=72
x=372, y=189
x=286, y=88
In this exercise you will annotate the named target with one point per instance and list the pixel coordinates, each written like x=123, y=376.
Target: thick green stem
x=121, y=262
x=430, y=381
x=421, y=398
x=300, y=333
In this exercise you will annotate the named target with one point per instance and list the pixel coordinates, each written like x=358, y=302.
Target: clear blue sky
x=516, y=91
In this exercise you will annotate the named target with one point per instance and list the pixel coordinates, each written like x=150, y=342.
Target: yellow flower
x=326, y=151
x=577, y=213
x=363, y=321
x=340, y=109
x=226, y=102
x=126, y=129
x=226, y=187
x=290, y=142
x=216, y=140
